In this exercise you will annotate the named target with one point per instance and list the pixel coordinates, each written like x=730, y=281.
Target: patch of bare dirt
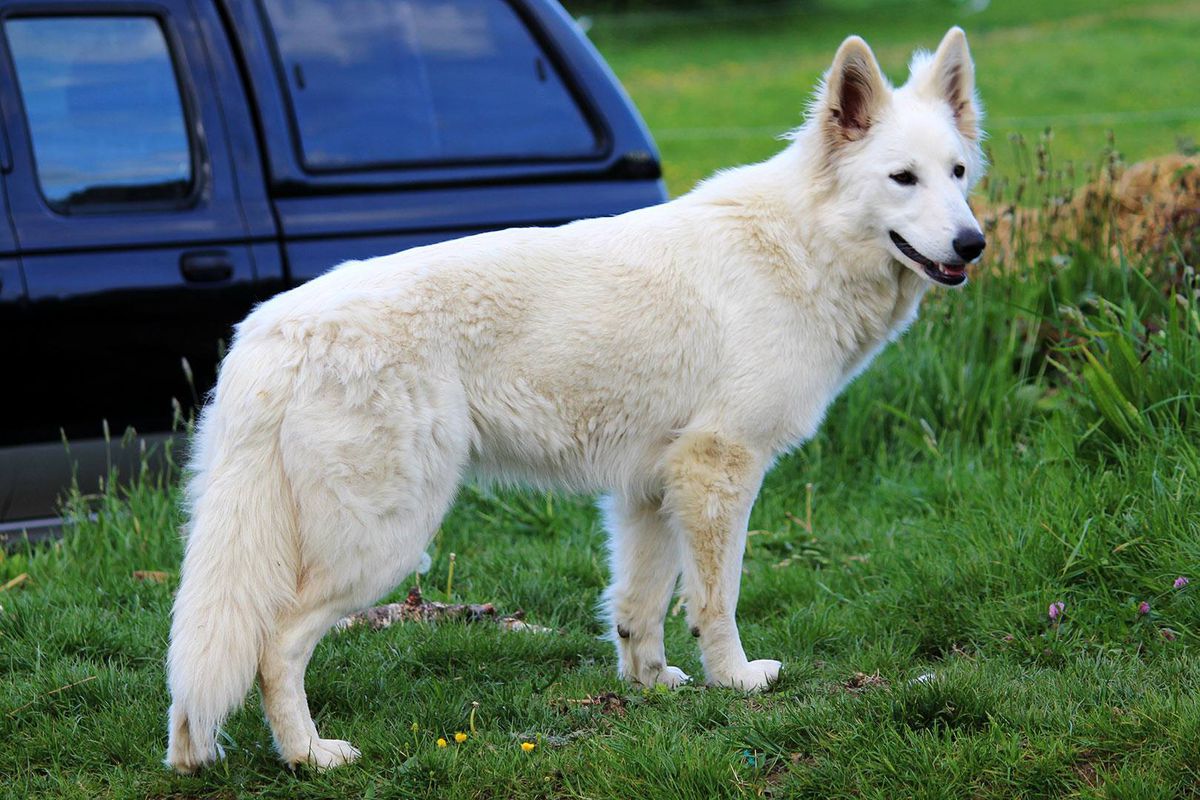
x=861, y=682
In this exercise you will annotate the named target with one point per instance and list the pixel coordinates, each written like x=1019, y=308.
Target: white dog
x=664, y=357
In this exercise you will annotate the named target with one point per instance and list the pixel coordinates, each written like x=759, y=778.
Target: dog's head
x=907, y=157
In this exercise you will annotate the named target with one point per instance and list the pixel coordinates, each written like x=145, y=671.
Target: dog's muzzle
x=947, y=274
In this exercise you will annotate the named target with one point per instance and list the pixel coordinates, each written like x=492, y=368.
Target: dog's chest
x=858, y=318
x=832, y=341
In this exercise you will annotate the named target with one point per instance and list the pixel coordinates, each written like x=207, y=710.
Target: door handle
x=206, y=267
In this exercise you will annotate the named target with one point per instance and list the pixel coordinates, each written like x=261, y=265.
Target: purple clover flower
x=1144, y=608
x=1056, y=610
x=1180, y=582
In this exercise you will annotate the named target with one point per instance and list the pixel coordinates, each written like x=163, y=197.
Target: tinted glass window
x=393, y=81
x=104, y=109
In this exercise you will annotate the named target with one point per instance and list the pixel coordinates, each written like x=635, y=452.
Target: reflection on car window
x=103, y=108
x=394, y=81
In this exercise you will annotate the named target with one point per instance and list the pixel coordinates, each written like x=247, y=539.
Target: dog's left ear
x=950, y=76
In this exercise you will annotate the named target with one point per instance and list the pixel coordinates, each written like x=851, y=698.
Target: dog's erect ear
x=950, y=76
x=855, y=91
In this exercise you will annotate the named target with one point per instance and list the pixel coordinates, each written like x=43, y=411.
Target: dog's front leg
x=711, y=483
x=645, y=557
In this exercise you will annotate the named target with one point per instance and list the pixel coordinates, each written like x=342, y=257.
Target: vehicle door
x=125, y=202
x=394, y=123
x=12, y=309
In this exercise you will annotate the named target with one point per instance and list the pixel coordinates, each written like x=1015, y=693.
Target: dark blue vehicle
x=167, y=164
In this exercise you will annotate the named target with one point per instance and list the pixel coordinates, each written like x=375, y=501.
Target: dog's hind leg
x=281, y=679
x=711, y=483
x=645, y=558
x=364, y=561
x=371, y=489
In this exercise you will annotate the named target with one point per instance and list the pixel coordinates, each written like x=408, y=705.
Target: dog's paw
x=671, y=677
x=326, y=754
x=753, y=677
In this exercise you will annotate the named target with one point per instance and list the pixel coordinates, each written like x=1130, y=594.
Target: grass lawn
x=1034, y=439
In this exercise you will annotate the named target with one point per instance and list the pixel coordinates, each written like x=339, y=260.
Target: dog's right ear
x=854, y=92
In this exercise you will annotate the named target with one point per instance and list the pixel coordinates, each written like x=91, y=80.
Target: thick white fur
x=663, y=357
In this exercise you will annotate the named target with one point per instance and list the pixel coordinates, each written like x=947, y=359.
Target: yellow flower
x=527, y=746
x=460, y=737
x=441, y=742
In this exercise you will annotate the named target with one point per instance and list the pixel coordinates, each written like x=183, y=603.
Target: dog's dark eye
x=904, y=177
x=959, y=170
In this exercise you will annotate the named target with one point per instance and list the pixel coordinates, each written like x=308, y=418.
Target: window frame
x=591, y=117
x=197, y=155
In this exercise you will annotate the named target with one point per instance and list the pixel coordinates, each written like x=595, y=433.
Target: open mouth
x=945, y=274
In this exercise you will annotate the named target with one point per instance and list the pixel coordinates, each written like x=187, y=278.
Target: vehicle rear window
x=377, y=82
x=104, y=111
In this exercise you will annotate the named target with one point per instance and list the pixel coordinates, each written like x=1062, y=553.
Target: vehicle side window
x=376, y=82
x=105, y=114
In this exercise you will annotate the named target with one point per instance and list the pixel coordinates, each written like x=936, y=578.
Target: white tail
x=240, y=562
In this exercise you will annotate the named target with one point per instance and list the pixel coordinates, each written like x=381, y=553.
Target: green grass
x=716, y=90
x=1033, y=439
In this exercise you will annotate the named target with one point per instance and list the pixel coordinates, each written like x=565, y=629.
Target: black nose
x=969, y=244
